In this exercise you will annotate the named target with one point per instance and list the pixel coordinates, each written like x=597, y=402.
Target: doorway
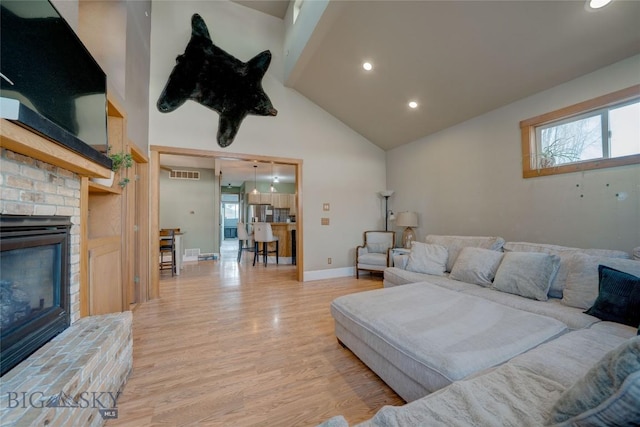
x=229, y=217
x=155, y=166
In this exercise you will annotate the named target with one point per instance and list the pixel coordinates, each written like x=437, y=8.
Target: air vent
x=176, y=174
x=191, y=254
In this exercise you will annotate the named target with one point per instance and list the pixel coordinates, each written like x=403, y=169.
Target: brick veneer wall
x=33, y=187
x=72, y=377
x=88, y=363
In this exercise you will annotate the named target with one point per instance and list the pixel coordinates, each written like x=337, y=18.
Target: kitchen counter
x=282, y=230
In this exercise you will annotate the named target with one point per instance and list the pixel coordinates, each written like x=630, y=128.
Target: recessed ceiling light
x=597, y=4
x=413, y=104
x=367, y=66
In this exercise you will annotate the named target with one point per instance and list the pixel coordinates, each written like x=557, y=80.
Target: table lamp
x=407, y=219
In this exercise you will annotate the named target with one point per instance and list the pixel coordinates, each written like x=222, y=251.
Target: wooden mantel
x=111, y=279
x=17, y=139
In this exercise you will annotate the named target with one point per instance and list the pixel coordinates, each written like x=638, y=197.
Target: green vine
x=121, y=160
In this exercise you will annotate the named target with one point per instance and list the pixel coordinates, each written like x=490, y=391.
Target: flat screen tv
x=49, y=81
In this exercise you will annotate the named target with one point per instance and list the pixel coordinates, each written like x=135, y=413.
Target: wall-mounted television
x=49, y=81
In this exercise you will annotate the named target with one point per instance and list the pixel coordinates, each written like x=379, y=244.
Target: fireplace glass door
x=34, y=283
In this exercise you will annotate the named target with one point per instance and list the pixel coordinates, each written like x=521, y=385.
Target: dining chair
x=262, y=233
x=168, y=246
x=243, y=240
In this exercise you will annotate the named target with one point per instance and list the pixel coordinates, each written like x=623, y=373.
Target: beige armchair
x=375, y=253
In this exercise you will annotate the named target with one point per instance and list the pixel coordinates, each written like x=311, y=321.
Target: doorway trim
x=154, y=200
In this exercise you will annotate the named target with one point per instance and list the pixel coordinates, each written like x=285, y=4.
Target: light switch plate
x=326, y=207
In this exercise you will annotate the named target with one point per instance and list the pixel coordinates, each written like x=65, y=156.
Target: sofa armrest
x=400, y=261
x=390, y=257
x=360, y=250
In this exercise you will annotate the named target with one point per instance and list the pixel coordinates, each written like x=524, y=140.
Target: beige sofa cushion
x=435, y=335
x=476, y=265
x=607, y=395
x=554, y=249
x=528, y=274
x=581, y=289
x=454, y=244
x=565, y=253
x=427, y=259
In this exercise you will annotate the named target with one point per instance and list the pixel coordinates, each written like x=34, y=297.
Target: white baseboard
x=329, y=273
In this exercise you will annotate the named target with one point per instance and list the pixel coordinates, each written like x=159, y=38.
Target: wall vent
x=178, y=174
x=191, y=254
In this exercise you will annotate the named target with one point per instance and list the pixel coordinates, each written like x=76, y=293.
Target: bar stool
x=243, y=240
x=168, y=246
x=262, y=233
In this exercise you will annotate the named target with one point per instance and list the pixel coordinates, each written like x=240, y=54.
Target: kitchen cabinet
x=265, y=198
x=253, y=198
x=277, y=200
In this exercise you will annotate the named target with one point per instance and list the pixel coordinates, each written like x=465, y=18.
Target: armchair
x=375, y=253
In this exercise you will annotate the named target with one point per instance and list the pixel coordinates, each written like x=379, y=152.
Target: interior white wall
x=117, y=34
x=340, y=167
x=69, y=11
x=298, y=35
x=189, y=205
x=467, y=179
x=103, y=30
x=137, y=72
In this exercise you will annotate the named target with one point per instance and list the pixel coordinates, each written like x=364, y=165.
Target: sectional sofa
x=478, y=331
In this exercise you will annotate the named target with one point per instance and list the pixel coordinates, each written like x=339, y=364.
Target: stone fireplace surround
x=87, y=364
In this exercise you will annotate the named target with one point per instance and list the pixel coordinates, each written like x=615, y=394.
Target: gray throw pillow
x=528, y=274
x=608, y=394
x=581, y=289
x=454, y=244
x=427, y=259
x=476, y=265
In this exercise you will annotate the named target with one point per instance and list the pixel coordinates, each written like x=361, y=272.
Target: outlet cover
x=324, y=221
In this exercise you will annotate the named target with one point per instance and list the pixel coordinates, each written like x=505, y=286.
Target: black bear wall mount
x=210, y=76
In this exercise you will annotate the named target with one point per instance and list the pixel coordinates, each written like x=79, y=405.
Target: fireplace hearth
x=34, y=284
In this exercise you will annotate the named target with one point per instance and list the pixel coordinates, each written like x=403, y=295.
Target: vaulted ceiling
x=456, y=59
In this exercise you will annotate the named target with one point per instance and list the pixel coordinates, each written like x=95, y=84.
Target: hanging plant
x=120, y=161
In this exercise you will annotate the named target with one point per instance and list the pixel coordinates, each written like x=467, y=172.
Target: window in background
x=599, y=133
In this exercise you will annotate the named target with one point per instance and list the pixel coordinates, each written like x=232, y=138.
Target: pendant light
x=255, y=180
x=272, y=188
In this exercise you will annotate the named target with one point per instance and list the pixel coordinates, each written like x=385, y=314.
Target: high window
x=599, y=133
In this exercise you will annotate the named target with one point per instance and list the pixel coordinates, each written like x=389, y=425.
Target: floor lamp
x=386, y=194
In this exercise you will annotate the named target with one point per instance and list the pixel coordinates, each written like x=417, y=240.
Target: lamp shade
x=386, y=193
x=407, y=219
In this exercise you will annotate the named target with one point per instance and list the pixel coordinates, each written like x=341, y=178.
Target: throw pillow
x=476, y=265
x=581, y=289
x=427, y=259
x=454, y=244
x=528, y=274
x=607, y=395
x=378, y=248
x=618, y=297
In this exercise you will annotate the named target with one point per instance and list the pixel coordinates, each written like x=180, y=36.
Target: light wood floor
x=229, y=344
